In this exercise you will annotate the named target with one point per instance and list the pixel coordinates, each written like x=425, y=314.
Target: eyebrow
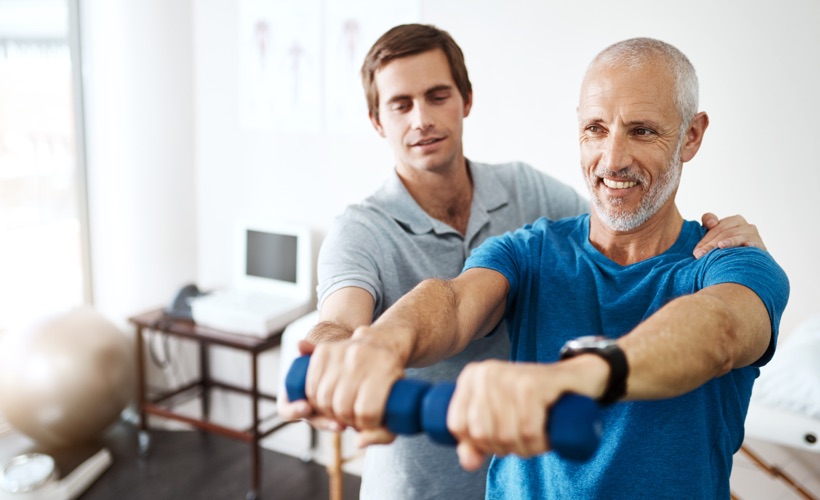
x=438, y=88
x=431, y=90
x=645, y=123
x=648, y=123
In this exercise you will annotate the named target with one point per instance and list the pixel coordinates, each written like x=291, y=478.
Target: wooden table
x=158, y=321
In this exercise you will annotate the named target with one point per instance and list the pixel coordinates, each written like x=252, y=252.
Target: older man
x=679, y=339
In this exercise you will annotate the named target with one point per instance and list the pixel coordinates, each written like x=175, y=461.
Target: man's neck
x=653, y=238
x=444, y=195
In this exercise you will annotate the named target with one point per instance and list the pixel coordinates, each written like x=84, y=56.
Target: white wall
x=137, y=77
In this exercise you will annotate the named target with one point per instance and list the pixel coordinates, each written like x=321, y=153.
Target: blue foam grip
x=574, y=427
x=296, y=379
x=434, y=413
x=401, y=413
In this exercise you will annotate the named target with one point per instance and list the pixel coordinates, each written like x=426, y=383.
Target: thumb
x=709, y=220
x=306, y=347
x=469, y=457
x=375, y=436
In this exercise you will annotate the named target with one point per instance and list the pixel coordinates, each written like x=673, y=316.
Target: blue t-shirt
x=562, y=287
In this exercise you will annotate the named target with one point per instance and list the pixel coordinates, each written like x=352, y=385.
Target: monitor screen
x=271, y=255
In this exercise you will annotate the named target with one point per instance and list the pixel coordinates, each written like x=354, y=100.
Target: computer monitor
x=275, y=257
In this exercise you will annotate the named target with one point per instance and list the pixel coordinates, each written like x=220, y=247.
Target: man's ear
x=694, y=136
x=374, y=119
x=468, y=105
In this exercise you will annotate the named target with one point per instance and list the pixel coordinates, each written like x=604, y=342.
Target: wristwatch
x=607, y=349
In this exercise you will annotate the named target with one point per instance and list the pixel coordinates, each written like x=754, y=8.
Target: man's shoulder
x=506, y=170
x=359, y=221
x=374, y=207
x=745, y=257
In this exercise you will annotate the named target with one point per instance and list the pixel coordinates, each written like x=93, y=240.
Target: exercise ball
x=66, y=378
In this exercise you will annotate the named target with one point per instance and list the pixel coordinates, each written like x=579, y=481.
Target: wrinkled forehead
x=644, y=89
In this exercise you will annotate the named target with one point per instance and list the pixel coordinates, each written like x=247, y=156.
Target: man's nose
x=421, y=117
x=617, y=152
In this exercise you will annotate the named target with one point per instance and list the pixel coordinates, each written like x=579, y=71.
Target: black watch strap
x=618, y=369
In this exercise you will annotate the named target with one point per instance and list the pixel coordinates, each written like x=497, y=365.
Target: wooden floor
x=193, y=465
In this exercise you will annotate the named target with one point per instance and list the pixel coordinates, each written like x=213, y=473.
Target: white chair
x=785, y=404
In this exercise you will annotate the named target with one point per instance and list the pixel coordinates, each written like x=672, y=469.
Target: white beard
x=655, y=198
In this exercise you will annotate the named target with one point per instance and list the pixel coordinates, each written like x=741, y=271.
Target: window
x=43, y=230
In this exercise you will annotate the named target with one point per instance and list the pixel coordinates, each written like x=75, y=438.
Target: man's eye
x=643, y=131
x=593, y=129
x=399, y=106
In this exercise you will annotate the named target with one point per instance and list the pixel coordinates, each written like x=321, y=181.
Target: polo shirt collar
x=488, y=195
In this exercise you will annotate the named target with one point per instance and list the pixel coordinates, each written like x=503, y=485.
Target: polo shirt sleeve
x=347, y=258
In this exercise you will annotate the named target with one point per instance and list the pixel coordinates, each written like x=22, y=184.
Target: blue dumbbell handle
x=413, y=406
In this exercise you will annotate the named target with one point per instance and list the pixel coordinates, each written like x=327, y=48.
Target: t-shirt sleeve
x=504, y=254
x=347, y=258
x=756, y=270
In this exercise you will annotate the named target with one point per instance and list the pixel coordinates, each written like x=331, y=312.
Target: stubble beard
x=657, y=196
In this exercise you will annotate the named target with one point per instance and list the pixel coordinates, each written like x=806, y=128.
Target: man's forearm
x=329, y=331
x=422, y=328
x=694, y=339
x=438, y=318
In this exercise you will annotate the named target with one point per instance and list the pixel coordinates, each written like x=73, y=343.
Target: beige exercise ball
x=65, y=379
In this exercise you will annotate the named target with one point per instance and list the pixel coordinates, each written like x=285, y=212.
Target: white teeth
x=618, y=184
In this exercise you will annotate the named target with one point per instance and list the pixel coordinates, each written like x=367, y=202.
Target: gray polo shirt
x=386, y=245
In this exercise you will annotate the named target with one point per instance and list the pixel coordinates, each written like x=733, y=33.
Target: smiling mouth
x=427, y=142
x=612, y=184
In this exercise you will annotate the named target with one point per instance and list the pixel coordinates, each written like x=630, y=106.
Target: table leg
x=255, y=455
x=205, y=374
x=143, y=439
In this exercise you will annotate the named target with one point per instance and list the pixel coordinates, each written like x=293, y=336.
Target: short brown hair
x=408, y=40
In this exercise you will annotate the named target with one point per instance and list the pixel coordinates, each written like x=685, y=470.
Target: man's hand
x=500, y=408
x=341, y=312
x=347, y=384
x=730, y=232
x=301, y=409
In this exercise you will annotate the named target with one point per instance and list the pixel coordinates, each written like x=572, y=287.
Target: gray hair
x=637, y=52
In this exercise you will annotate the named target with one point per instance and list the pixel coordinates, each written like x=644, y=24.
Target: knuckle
x=506, y=439
x=532, y=436
x=366, y=418
x=344, y=414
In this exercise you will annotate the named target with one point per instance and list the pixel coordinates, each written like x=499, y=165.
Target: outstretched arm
x=694, y=339
x=349, y=381
x=730, y=232
x=682, y=346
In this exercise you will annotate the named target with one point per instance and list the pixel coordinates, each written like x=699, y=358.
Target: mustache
x=625, y=174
